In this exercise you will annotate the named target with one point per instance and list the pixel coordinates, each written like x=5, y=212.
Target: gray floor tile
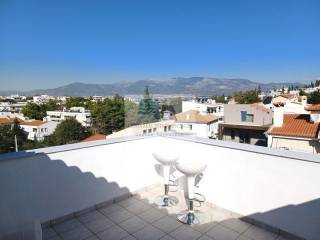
x=149, y=233
x=204, y=227
x=48, y=233
x=91, y=216
x=241, y=237
x=79, y=233
x=167, y=237
x=259, y=234
x=130, y=237
x=236, y=225
x=167, y=224
x=138, y=207
x=222, y=233
x=92, y=238
x=204, y=237
x=67, y=225
x=133, y=224
x=120, y=216
x=127, y=202
x=151, y=215
x=185, y=233
x=110, y=209
x=99, y=225
x=113, y=233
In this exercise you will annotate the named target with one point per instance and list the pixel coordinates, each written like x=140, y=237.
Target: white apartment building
x=201, y=125
x=37, y=129
x=41, y=99
x=12, y=107
x=13, y=115
x=204, y=106
x=82, y=115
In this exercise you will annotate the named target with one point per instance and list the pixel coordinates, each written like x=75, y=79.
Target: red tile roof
x=9, y=120
x=193, y=116
x=297, y=125
x=34, y=123
x=95, y=137
x=313, y=108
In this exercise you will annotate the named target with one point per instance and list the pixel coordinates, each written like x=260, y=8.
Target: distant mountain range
x=181, y=85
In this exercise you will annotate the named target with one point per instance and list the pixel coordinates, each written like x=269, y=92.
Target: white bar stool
x=191, y=171
x=166, y=162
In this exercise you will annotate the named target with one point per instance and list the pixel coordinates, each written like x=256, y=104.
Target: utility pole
x=16, y=143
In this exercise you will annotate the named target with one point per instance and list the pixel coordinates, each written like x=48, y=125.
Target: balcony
x=105, y=190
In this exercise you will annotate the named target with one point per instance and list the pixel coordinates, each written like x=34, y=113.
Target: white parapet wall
x=279, y=188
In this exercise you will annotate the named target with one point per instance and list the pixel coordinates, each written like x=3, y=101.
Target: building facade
x=37, y=129
x=79, y=113
x=246, y=123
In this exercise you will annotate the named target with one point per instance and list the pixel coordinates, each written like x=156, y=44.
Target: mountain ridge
x=178, y=85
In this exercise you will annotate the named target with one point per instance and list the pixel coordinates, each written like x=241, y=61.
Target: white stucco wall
x=280, y=191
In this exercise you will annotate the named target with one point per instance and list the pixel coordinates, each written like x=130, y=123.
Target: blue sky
x=51, y=43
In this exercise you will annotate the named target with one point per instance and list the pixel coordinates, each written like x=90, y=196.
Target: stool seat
x=165, y=159
x=167, y=162
x=191, y=169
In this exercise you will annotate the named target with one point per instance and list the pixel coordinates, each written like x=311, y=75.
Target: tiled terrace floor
x=137, y=218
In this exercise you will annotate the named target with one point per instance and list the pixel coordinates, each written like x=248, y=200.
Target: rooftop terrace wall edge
x=67, y=147
x=218, y=143
x=307, y=157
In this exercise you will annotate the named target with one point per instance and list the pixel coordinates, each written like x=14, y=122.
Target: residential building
x=13, y=115
x=154, y=128
x=95, y=137
x=96, y=98
x=42, y=99
x=246, y=123
x=201, y=125
x=297, y=132
x=37, y=129
x=12, y=107
x=79, y=113
x=204, y=105
x=8, y=121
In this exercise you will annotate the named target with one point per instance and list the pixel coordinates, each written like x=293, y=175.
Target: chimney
x=278, y=116
x=304, y=100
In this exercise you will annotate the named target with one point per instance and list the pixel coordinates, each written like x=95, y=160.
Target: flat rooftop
x=137, y=217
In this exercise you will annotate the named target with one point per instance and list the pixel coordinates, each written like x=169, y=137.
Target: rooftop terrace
x=105, y=190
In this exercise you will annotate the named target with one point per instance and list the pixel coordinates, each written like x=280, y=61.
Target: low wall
x=279, y=188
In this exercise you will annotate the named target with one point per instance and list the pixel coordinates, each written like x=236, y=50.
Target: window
x=181, y=126
x=232, y=134
x=190, y=127
x=165, y=128
x=243, y=116
x=150, y=130
x=34, y=130
x=169, y=128
x=144, y=131
x=249, y=117
x=154, y=130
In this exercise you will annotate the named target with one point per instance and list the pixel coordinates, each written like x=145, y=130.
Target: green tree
x=314, y=97
x=247, y=97
x=131, y=113
x=7, y=137
x=109, y=115
x=148, y=108
x=70, y=131
x=34, y=111
x=76, y=102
